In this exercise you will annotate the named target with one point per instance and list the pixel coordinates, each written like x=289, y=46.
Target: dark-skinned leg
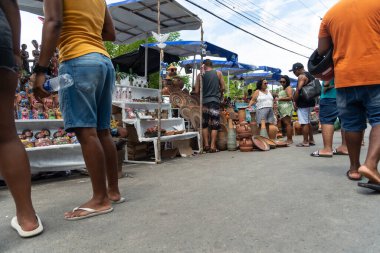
x=289, y=129
x=95, y=161
x=305, y=133
x=110, y=152
x=214, y=134
x=14, y=163
x=327, y=136
x=311, y=137
x=342, y=148
x=206, y=136
x=353, y=140
x=369, y=168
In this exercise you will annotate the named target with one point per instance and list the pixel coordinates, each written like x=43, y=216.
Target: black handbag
x=311, y=90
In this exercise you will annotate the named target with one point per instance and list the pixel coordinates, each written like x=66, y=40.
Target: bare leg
x=369, y=169
x=205, y=134
x=289, y=129
x=14, y=163
x=95, y=160
x=327, y=136
x=305, y=133
x=111, y=164
x=214, y=134
x=342, y=148
x=353, y=140
x=311, y=137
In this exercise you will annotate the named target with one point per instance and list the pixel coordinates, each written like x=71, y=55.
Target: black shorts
x=7, y=59
x=211, y=115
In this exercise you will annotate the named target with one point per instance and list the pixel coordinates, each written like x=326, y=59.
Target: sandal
x=317, y=154
x=206, y=149
x=214, y=150
x=353, y=178
x=302, y=145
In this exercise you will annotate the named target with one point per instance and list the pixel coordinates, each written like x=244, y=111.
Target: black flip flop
x=303, y=145
x=312, y=143
x=317, y=154
x=370, y=185
x=351, y=178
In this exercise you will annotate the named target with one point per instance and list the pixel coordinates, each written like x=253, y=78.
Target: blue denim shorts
x=88, y=102
x=7, y=59
x=356, y=105
x=328, y=111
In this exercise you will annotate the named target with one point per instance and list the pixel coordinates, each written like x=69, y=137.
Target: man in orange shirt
x=356, y=42
x=79, y=28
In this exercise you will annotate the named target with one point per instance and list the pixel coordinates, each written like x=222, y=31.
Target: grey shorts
x=265, y=113
x=7, y=59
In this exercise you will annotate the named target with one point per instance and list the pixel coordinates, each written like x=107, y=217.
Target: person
x=248, y=97
x=328, y=114
x=303, y=106
x=86, y=106
x=357, y=77
x=24, y=58
x=35, y=52
x=285, y=107
x=213, y=88
x=263, y=100
x=14, y=163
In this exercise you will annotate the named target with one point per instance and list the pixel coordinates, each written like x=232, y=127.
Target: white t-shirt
x=264, y=100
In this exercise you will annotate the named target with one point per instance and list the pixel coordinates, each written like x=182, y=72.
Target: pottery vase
x=246, y=145
x=241, y=114
x=243, y=130
x=273, y=130
x=221, y=141
x=231, y=139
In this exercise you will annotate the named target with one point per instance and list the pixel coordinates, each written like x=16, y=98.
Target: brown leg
x=305, y=133
x=214, y=134
x=14, y=163
x=353, y=140
x=205, y=134
x=327, y=136
x=369, y=169
x=311, y=137
x=94, y=157
x=289, y=129
x=342, y=148
x=111, y=164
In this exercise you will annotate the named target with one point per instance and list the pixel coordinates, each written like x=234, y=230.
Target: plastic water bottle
x=58, y=83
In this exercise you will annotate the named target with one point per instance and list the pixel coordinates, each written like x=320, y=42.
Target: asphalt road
x=277, y=201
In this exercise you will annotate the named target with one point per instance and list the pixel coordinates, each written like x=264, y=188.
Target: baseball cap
x=296, y=66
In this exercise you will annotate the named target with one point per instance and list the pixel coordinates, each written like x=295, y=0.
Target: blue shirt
x=330, y=93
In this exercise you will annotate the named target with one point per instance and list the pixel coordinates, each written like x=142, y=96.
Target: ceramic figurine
x=24, y=58
x=58, y=114
x=24, y=113
x=51, y=114
x=35, y=52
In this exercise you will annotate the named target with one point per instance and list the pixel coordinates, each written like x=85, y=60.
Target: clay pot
x=254, y=128
x=273, y=130
x=221, y=141
x=241, y=114
x=177, y=82
x=246, y=145
x=243, y=130
x=231, y=139
x=260, y=144
x=297, y=128
x=166, y=91
x=268, y=141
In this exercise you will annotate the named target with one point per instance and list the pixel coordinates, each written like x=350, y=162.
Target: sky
x=296, y=20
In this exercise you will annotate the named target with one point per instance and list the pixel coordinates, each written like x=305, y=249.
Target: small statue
x=24, y=113
x=24, y=100
x=36, y=52
x=51, y=114
x=24, y=58
x=58, y=114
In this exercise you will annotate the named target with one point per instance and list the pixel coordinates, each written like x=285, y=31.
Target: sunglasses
x=282, y=81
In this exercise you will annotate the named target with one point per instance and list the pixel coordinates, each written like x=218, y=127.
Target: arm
x=12, y=13
x=108, y=33
x=254, y=98
x=222, y=84
x=324, y=45
x=197, y=85
x=302, y=80
x=50, y=35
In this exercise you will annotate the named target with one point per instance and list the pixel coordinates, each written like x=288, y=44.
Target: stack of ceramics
x=231, y=138
x=221, y=142
x=244, y=133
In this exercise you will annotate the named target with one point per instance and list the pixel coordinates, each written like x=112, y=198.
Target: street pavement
x=277, y=201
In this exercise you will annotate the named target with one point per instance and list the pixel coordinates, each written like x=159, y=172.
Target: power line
x=307, y=7
x=263, y=26
x=324, y=5
x=258, y=37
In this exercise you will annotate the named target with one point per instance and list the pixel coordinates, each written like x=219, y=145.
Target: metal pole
x=194, y=74
x=158, y=158
x=146, y=59
x=201, y=94
x=228, y=83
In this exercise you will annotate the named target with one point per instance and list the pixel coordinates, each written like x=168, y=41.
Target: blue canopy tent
x=197, y=63
x=136, y=19
x=192, y=48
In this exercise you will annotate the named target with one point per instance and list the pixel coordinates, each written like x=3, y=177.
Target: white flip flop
x=26, y=234
x=91, y=213
x=121, y=200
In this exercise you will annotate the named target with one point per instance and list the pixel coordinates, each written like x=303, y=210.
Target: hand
x=38, y=90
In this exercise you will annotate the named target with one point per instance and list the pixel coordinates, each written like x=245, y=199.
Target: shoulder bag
x=311, y=90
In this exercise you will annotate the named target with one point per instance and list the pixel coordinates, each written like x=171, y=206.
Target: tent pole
x=201, y=94
x=228, y=83
x=146, y=59
x=194, y=75
x=158, y=158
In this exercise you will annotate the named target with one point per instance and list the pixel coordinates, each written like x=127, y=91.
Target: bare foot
x=96, y=205
x=114, y=195
x=372, y=174
x=289, y=142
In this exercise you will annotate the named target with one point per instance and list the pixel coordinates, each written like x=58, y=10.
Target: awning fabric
x=136, y=61
x=136, y=19
x=191, y=48
x=224, y=66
